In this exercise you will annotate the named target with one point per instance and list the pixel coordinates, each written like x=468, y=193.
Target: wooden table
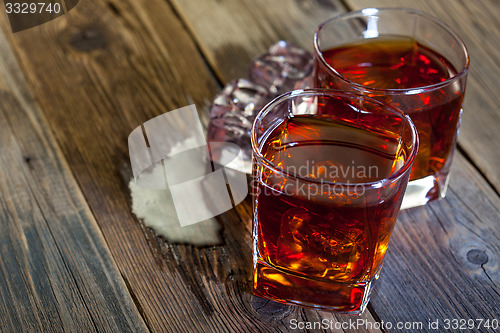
x=74, y=258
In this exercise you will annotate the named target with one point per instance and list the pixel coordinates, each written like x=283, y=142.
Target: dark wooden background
x=74, y=258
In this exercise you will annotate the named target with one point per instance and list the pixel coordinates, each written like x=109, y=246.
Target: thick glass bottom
x=272, y=283
x=421, y=191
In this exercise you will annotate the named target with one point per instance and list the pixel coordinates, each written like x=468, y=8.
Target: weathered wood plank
x=478, y=25
x=56, y=271
x=444, y=259
x=107, y=70
x=231, y=33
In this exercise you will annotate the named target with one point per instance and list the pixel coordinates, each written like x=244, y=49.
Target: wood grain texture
x=476, y=22
x=105, y=68
x=444, y=259
x=56, y=271
x=231, y=33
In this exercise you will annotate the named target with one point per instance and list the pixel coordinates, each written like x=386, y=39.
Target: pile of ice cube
x=283, y=68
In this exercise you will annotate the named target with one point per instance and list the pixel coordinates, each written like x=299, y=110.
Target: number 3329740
x=32, y=8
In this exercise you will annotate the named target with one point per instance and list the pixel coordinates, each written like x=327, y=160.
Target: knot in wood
x=477, y=257
x=269, y=309
x=88, y=40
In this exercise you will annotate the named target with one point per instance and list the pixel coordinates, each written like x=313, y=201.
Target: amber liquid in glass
x=319, y=244
x=403, y=63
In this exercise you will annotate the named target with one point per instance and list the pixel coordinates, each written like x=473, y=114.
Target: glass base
x=420, y=191
x=292, y=289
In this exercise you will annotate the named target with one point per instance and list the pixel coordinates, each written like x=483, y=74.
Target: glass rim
x=391, y=91
x=333, y=93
